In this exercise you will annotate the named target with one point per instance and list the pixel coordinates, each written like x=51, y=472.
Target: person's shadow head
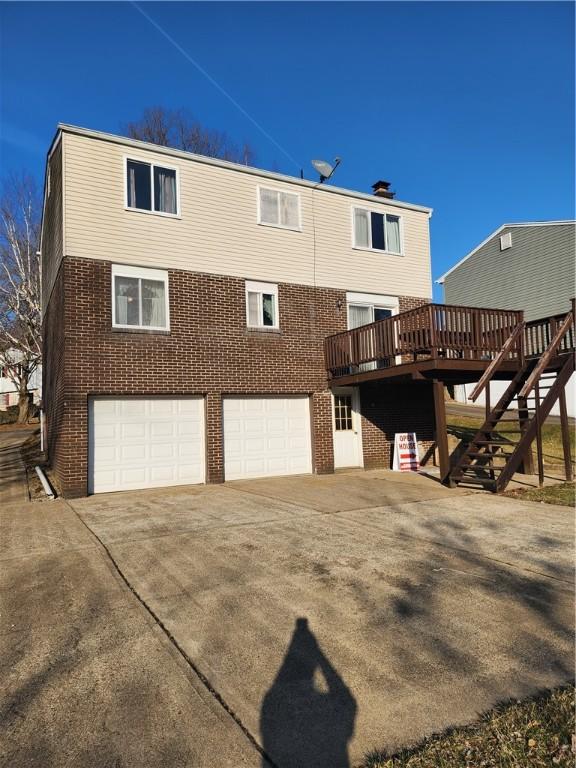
x=307, y=716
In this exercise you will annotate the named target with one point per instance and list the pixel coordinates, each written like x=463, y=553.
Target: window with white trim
x=278, y=209
x=151, y=188
x=261, y=305
x=140, y=298
x=377, y=231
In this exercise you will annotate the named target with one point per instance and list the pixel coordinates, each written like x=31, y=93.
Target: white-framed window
x=151, y=187
x=140, y=298
x=506, y=241
x=261, y=305
x=277, y=208
x=364, y=308
x=377, y=231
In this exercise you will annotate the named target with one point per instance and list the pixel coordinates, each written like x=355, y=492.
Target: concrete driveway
x=309, y=619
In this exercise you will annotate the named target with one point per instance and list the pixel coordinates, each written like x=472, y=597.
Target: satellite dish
x=325, y=169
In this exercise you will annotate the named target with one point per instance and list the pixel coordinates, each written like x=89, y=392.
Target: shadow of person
x=307, y=715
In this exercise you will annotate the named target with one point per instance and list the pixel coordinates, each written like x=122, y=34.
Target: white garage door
x=266, y=436
x=140, y=442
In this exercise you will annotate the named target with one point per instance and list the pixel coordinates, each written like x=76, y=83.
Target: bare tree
x=177, y=128
x=20, y=312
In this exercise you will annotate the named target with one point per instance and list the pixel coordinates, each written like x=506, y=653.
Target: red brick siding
x=323, y=445
x=208, y=351
x=389, y=408
x=53, y=386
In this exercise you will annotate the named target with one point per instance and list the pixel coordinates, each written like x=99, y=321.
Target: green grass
x=464, y=428
x=529, y=734
x=563, y=494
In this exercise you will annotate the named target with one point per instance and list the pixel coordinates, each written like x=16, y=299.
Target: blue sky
x=465, y=107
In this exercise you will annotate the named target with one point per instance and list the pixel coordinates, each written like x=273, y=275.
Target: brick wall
x=53, y=384
x=208, y=351
x=389, y=408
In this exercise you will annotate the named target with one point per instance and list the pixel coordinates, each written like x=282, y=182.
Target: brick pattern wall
x=53, y=384
x=389, y=408
x=208, y=351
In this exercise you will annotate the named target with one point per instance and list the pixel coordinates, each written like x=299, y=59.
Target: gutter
x=45, y=484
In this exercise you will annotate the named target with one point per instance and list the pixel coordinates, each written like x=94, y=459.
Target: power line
x=216, y=84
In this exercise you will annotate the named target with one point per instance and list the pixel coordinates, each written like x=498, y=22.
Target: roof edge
x=440, y=280
x=170, y=151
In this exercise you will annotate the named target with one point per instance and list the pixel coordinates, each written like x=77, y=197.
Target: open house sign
x=405, y=452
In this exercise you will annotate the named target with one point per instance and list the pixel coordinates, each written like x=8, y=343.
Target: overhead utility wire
x=216, y=84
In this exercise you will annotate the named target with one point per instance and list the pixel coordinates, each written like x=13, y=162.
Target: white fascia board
x=440, y=280
x=143, y=145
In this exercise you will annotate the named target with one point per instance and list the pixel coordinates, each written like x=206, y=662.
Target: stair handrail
x=497, y=361
x=547, y=355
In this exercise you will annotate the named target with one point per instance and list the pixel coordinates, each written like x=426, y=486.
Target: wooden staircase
x=504, y=442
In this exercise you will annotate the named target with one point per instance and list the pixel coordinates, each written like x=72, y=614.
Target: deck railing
x=539, y=334
x=431, y=331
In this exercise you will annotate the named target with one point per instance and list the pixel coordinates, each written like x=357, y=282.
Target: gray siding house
x=526, y=266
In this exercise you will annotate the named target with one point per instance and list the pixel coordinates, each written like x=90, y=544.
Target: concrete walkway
x=13, y=485
x=313, y=619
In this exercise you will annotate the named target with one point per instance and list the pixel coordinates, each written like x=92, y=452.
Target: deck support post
x=539, y=455
x=565, y=427
x=489, y=448
x=527, y=466
x=441, y=432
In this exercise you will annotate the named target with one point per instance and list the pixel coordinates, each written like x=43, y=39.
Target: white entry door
x=346, y=426
x=139, y=442
x=266, y=436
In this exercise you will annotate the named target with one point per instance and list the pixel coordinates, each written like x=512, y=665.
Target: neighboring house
x=185, y=305
x=8, y=392
x=527, y=266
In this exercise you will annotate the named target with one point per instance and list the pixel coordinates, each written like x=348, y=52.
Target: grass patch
x=465, y=427
x=534, y=733
x=563, y=494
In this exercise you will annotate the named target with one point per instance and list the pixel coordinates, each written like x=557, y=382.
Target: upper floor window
x=377, y=231
x=140, y=298
x=506, y=241
x=278, y=209
x=261, y=305
x=151, y=188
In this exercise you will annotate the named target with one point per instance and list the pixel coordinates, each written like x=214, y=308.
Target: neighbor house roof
x=440, y=280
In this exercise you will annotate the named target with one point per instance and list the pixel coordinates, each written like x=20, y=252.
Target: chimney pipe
x=382, y=189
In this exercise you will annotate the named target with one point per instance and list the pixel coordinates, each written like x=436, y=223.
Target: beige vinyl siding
x=52, y=226
x=218, y=230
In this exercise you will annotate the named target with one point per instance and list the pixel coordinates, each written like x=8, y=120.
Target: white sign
x=405, y=452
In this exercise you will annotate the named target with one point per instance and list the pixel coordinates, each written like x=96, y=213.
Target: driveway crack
x=174, y=642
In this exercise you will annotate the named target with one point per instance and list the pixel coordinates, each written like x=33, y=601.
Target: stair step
x=507, y=431
x=494, y=442
x=484, y=481
x=497, y=455
x=484, y=468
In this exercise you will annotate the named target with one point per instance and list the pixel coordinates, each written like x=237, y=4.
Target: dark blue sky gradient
x=466, y=107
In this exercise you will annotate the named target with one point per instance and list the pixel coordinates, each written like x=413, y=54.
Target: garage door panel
x=130, y=431
x=132, y=453
x=162, y=429
x=266, y=436
x=145, y=443
x=164, y=451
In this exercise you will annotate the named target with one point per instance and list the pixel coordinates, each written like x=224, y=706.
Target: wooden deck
x=441, y=342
